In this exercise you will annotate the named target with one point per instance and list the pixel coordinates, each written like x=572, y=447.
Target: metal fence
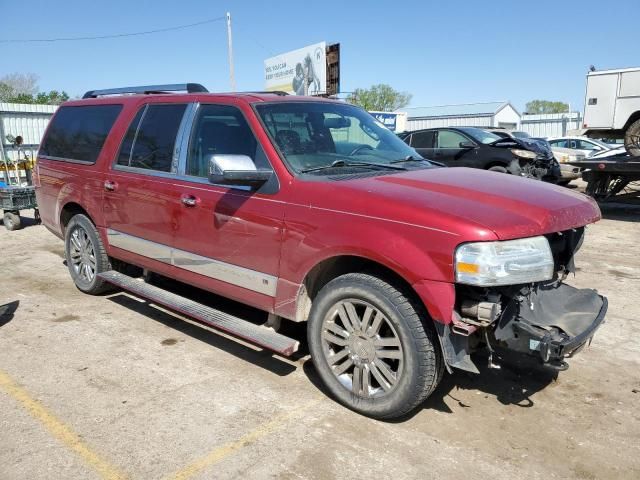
x=550, y=124
x=28, y=121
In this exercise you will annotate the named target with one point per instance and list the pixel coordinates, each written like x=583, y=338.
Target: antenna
x=232, y=79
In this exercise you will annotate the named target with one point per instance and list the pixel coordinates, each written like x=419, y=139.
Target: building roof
x=486, y=109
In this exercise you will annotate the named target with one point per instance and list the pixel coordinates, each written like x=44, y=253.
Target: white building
x=491, y=114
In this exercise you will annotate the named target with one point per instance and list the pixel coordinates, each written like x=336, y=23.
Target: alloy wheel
x=362, y=348
x=82, y=255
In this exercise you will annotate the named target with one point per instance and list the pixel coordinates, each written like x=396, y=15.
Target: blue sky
x=442, y=52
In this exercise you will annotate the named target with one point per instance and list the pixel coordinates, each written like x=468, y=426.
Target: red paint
x=410, y=222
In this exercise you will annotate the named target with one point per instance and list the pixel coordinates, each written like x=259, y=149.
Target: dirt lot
x=111, y=387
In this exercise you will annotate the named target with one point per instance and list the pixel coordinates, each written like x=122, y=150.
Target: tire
x=12, y=221
x=85, y=255
x=399, y=377
x=498, y=168
x=632, y=139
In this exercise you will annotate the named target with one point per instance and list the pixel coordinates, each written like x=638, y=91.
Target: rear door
x=423, y=143
x=141, y=200
x=227, y=239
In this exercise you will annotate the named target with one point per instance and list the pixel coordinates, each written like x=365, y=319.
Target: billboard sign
x=300, y=72
x=389, y=120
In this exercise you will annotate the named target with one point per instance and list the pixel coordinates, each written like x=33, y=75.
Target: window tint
x=221, y=130
x=78, y=133
x=422, y=140
x=127, y=143
x=450, y=139
x=155, y=139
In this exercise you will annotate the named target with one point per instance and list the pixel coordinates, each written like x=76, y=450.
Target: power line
x=117, y=35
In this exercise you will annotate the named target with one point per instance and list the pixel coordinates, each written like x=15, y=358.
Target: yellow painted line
x=57, y=428
x=222, y=452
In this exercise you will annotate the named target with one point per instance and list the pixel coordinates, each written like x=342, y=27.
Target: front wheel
x=86, y=256
x=371, y=348
x=632, y=139
x=498, y=168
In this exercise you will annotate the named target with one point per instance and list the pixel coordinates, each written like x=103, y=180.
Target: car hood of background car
x=465, y=201
x=538, y=146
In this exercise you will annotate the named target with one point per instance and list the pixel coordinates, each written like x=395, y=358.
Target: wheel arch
x=340, y=264
x=632, y=118
x=68, y=211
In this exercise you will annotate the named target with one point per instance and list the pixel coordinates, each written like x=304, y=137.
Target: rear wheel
x=12, y=221
x=86, y=256
x=632, y=139
x=371, y=348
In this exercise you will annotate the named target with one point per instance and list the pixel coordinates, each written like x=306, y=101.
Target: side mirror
x=236, y=170
x=467, y=144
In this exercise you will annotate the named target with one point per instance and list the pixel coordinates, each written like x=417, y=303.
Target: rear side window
x=422, y=140
x=78, y=133
x=151, y=138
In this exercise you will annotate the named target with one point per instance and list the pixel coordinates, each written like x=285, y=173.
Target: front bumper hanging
x=552, y=321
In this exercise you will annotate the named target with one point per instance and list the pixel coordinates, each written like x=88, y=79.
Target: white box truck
x=612, y=106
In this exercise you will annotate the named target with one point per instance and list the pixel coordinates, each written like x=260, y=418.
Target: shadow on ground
x=512, y=384
x=261, y=358
x=7, y=312
x=621, y=211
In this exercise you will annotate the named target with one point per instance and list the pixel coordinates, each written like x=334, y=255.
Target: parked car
x=585, y=146
x=312, y=211
x=477, y=148
x=568, y=169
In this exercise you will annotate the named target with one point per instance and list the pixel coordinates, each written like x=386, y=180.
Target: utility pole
x=232, y=79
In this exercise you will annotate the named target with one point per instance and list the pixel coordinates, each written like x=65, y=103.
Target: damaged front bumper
x=552, y=321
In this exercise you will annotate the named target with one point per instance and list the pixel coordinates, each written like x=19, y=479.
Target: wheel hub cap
x=362, y=348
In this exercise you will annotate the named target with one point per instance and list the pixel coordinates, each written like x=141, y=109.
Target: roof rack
x=266, y=92
x=146, y=89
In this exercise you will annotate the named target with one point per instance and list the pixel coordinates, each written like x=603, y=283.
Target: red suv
x=312, y=211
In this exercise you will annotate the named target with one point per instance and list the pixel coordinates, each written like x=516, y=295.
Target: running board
x=256, y=334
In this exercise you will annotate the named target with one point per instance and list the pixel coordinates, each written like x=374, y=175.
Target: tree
x=21, y=83
x=545, y=106
x=23, y=88
x=379, y=97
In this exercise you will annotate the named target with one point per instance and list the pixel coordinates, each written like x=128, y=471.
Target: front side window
x=79, y=132
x=312, y=135
x=221, y=130
x=450, y=139
x=150, y=140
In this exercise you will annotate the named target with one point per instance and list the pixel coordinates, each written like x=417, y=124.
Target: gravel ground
x=112, y=387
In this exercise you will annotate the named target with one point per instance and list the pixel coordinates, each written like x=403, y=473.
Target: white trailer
x=612, y=106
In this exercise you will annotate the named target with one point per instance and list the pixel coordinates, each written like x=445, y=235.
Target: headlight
x=488, y=264
x=523, y=153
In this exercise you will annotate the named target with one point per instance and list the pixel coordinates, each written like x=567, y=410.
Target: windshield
x=313, y=135
x=480, y=135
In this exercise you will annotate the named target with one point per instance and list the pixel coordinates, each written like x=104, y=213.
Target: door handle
x=189, y=200
x=110, y=186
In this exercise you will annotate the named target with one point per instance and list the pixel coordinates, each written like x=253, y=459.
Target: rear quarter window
x=77, y=133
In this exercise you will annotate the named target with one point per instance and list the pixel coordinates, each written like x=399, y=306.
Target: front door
x=450, y=152
x=227, y=239
x=140, y=198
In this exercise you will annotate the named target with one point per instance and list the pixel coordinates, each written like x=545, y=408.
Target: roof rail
x=266, y=92
x=146, y=89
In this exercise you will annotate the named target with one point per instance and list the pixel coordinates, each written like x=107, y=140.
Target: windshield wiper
x=411, y=158
x=344, y=163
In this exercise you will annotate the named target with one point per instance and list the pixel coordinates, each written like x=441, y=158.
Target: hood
x=468, y=202
x=541, y=147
